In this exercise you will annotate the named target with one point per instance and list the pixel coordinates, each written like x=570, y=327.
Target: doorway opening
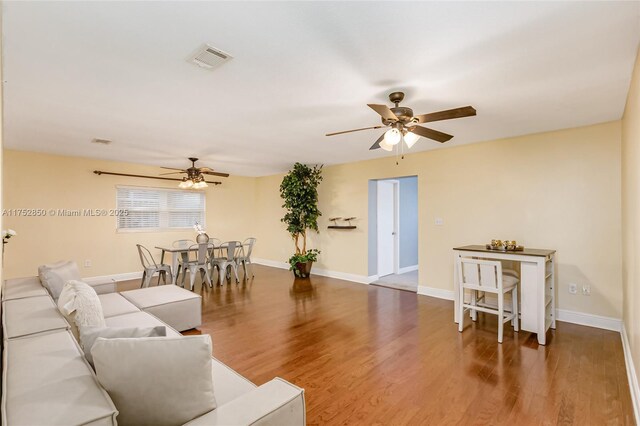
x=393, y=232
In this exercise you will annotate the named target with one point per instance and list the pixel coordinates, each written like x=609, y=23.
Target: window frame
x=163, y=190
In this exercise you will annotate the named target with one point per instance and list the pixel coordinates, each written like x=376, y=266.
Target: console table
x=537, y=284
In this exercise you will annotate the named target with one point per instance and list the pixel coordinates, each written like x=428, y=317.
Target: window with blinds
x=155, y=209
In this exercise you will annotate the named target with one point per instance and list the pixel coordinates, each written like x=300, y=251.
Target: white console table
x=537, y=284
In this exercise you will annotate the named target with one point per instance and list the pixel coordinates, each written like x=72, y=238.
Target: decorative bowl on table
x=506, y=245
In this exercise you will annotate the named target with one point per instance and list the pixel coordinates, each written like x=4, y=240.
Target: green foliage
x=310, y=256
x=299, y=190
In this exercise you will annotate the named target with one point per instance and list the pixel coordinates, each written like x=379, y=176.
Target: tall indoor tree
x=299, y=190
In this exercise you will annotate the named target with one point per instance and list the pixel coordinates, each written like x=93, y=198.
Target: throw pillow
x=80, y=305
x=163, y=381
x=55, y=275
x=88, y=335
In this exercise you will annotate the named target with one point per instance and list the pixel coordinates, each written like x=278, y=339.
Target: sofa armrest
x=103, y=286
x=277, y=402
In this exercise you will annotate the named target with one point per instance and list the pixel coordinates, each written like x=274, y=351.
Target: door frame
x=396, y=225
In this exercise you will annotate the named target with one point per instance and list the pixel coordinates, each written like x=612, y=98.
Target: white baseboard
x=407, y=269
x=634, y=387
x=597, y=321
x=372, y=278
x=435, y=292
x=114, y=277
x=361, y=279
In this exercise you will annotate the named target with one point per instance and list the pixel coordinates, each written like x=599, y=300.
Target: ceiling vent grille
x=101, y=141
x=209, y=57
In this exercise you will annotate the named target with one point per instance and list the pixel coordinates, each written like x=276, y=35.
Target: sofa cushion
x=229, y=384
x=31, y=315
x=80, y=305
x=55, y=275
x=19, y=288
x=88, y=335
x=180, y=308
x=139, y=319
x=46, y=380
x=114, y=304
x=156, y=380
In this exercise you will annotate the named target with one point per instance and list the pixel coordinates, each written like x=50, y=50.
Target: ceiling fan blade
x=172, y=168
x=354, y=130
x=430, y=133
x=206, y=169
x=172, y=173
x=467, y=111
x=384, y=111
x=376, y=144
x=214, y=173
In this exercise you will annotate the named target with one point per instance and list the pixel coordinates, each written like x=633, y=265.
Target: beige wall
x=557, y=190
x=630, y=212
x=553, y=190
x=48, y=181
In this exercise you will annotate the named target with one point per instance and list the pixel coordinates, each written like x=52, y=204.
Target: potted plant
x=299, y=190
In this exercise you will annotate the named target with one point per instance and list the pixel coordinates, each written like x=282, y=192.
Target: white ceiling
x=75, y=71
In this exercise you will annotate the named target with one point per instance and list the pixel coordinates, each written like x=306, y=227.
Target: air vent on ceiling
x=101, y=141
x=209, y=57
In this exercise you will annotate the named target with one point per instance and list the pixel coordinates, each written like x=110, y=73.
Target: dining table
x=176, y=253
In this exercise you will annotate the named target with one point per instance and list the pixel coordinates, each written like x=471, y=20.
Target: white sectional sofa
x=46, y=379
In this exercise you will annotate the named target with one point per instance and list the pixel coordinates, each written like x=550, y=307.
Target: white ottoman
x=179, y=308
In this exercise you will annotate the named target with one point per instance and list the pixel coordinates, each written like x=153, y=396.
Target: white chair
x=183, y=244
x=227, y=258
x=246, y=257
x=200, y=263
x=151, y=267
x=485, y=276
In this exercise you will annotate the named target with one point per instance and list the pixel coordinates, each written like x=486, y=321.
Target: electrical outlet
x=586, y=290
x=573, y=288
x=87, y=263
x=439, y=221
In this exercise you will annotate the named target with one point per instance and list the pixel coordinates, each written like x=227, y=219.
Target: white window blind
x=155, y=209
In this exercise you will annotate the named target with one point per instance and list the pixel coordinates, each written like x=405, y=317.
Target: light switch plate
x=439, y=221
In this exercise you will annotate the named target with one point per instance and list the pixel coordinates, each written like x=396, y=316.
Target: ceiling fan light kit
x=195, y=175
x=403, y=125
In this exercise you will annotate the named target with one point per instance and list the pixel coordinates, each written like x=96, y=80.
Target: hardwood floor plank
x=377, y=356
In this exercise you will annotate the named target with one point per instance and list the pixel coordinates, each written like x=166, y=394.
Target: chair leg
x=148, y=279
x=192, y=277
x=164, y=277
x=461, y=311
x=251, y=265
x=235, y=270
x=500, y=316
x=207, y=277
x=474, y=302
x=516, y=309
x=184, y=275
x=144, y=275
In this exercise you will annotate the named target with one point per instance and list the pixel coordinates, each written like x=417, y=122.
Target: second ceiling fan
x=404, y=125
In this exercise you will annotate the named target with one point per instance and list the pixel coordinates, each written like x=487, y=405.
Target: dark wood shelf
x=341, y=227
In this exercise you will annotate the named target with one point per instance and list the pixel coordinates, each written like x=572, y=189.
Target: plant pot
x=303, y=269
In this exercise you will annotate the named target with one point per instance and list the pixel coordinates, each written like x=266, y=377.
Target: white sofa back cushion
x=156, y=380
x=80, y=305
x=89, y=335
x=54, y=276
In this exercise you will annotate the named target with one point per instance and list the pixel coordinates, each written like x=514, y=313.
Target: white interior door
x=386, y=228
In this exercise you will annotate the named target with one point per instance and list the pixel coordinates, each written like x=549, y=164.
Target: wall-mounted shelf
x=346, y=219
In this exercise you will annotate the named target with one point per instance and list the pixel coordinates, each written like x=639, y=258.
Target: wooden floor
x=371, y=355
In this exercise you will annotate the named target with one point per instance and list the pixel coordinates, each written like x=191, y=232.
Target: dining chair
x=229, y=254
x=151, y=267
x=246, y=257
x=197, y=260
x=183, y=244
x=485, y=276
